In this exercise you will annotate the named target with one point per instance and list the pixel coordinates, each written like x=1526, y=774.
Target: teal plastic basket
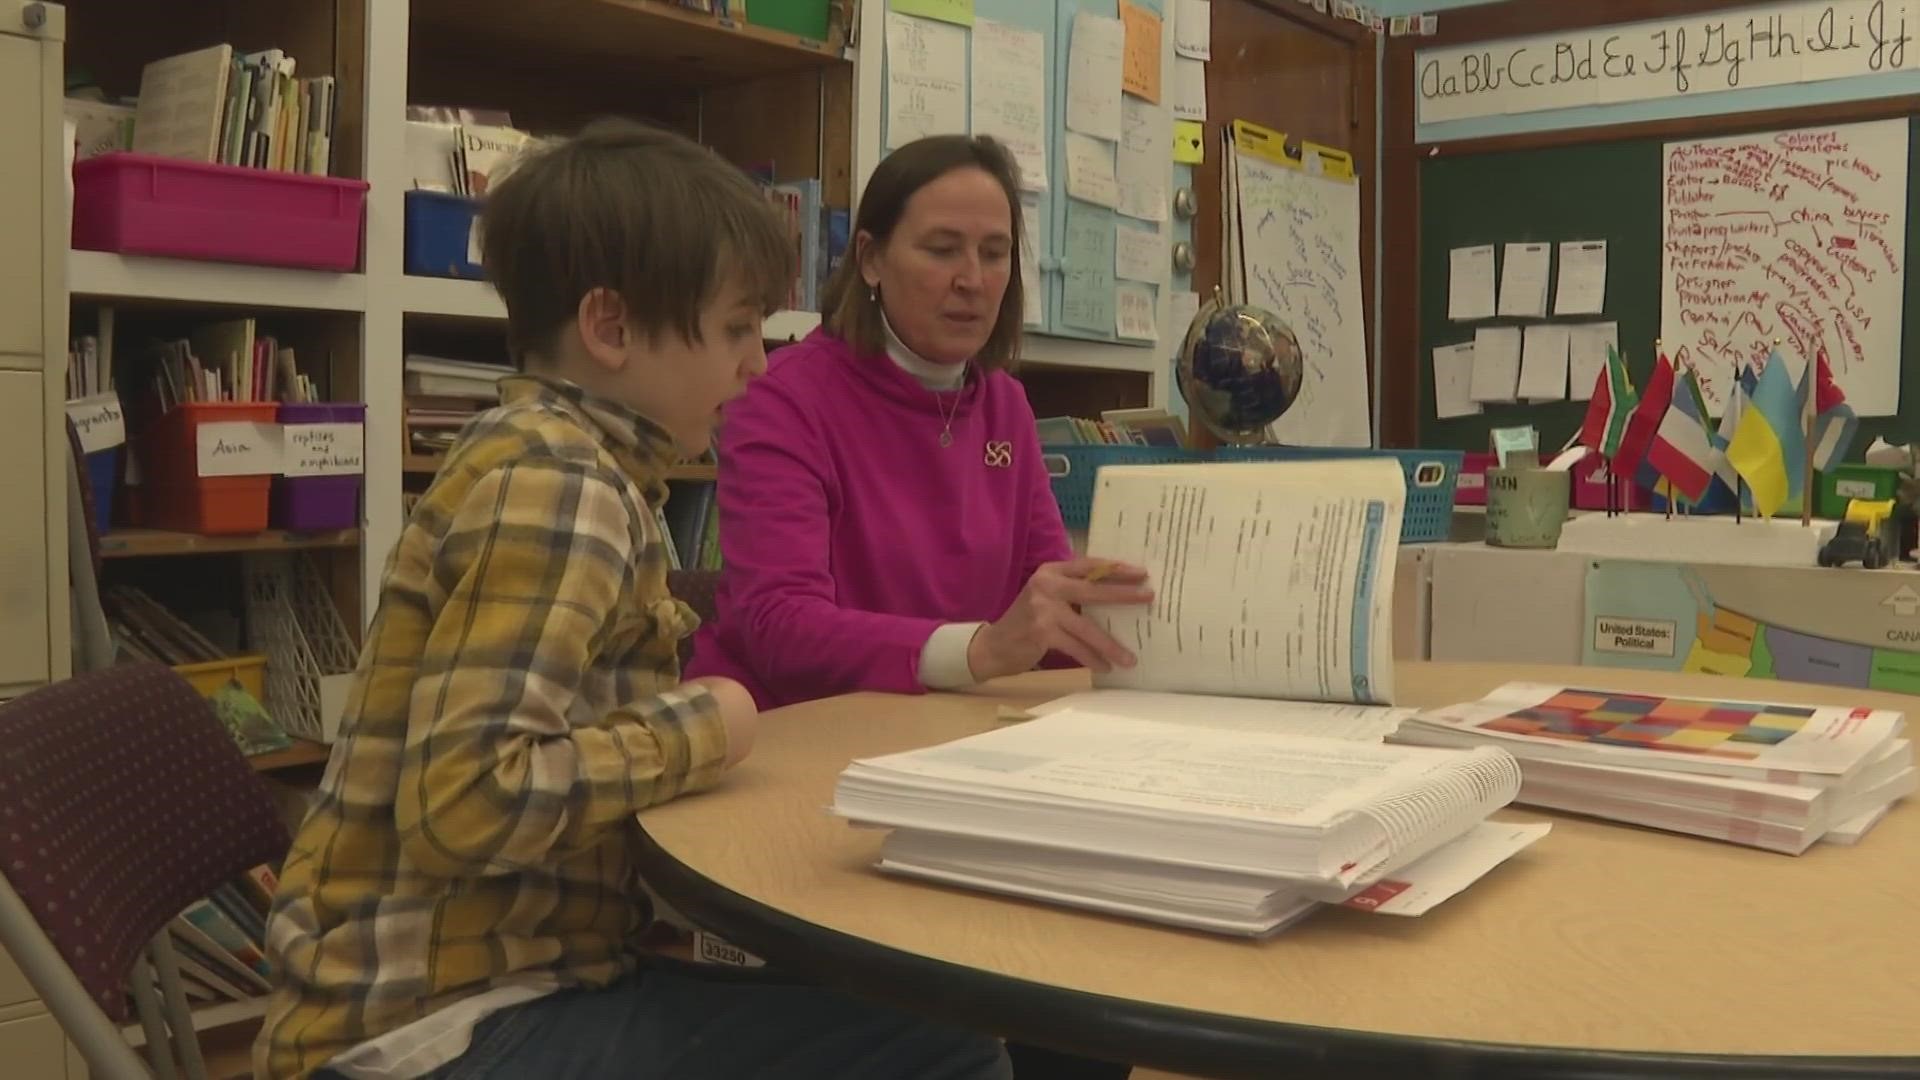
x=1431, y=476
x=1071, y=468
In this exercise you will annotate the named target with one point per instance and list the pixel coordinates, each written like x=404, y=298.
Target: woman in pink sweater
x=885, y=519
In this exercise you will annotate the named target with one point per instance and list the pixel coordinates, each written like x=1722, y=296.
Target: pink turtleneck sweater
x=849, y=535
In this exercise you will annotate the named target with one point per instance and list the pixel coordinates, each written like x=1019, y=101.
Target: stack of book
x=227, y=361
x=1234, y=779
x=220, y=942
x=442, y=395
x=1236, y=831
x=1116, y=427
x=220, y=107
x=1777, y=777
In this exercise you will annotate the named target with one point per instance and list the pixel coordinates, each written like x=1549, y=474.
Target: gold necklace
x=946, y=430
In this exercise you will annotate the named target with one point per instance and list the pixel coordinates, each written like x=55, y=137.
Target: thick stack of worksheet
x=1779, y=777
x=1237, y=830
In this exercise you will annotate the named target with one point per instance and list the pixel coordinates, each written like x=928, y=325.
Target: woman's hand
x=1046, y=616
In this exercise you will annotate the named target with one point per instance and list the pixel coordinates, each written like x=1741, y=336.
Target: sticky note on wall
x=1189, y=142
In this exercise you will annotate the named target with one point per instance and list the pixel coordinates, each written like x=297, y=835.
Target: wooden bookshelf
x=421, y=464
x=154, y=543
x=658, y=41
x=302, y=752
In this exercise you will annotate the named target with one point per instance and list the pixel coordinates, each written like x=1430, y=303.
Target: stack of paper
x=1234, y=829
x=1778, y=777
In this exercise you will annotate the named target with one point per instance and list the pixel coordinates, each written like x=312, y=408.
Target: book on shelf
x=443, y=395
x=219, y=941
x=1116, y=427
x=1766, y=775
x=460, y=151
x=219, y=106
x=226, y=361
x=143, y=629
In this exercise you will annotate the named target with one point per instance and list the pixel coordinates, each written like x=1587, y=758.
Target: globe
x=1239, y=370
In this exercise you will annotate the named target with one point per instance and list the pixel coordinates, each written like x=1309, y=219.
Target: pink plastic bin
x=1472, y=487
x=142, y=204
x=316, y=503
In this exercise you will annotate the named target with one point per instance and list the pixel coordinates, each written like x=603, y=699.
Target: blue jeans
x=685, y=1022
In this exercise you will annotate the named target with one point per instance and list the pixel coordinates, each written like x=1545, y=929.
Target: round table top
x=1600, y=939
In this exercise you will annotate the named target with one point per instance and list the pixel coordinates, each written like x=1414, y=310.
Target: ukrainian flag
x=1768, y=446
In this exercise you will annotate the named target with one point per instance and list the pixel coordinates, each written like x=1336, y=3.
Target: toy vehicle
x=1862, y=536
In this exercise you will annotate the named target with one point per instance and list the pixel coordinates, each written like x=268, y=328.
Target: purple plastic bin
x=318, y=503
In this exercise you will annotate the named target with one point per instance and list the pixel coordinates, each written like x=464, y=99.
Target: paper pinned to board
x=1090, y=170
x=1133, y=312
x=926, y=79
x=1188, y=95
x=1470, y=283
x=1141, y=160
x=1193, y=29
x=1140, y=66
x=1094, y=58
x=1010, y=94
x=1189, y=142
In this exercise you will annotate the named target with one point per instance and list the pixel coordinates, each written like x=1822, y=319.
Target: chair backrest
x=694, y=588
x=122, y=801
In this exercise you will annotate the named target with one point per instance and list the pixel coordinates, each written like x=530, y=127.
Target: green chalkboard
x=1598, y=191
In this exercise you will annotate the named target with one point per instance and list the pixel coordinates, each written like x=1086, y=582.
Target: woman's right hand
x=1046, y=617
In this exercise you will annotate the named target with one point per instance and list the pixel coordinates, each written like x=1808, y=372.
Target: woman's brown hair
x=852, y=312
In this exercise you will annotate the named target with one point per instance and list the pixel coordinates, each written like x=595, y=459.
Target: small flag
x=1834, y=423
x=1768, y=445
x=1682, y=448
x=1645, y=419
x=1613, y=402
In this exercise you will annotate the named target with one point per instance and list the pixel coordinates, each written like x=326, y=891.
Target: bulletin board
x=1073, y=241
x=1608, y=191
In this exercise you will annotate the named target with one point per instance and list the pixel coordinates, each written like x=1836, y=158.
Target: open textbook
x=1226, y=828
x=1271, y=579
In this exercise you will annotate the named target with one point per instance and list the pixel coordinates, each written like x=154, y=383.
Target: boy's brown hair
x=852, y=313
x=657, y=218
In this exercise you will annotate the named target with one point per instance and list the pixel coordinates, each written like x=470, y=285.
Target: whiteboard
x=1796, y=235
x=1301, y=236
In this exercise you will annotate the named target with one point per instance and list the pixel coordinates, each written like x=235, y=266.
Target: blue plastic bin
x=1431, y=477
x=437, y=229
x=103, y=468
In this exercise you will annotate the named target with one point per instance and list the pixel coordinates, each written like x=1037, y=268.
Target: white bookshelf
x=451, y=298
x=106, y=276
x=384, y=298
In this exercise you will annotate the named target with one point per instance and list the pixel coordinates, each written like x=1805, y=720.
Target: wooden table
x=1602, y=951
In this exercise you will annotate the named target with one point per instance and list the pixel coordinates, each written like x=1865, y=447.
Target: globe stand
x=1239, y=370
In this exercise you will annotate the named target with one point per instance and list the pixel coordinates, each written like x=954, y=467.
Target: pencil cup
x=1526, y=507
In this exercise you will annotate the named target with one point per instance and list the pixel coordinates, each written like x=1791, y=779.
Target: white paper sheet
x=1188, y=97
x=1470, y=283
x=1315, y=544
x=1302, y=257
x=1010, y=94
x=1182, y=306
x=1453, y=381
x=926, y=79
x=1093, y=75
x=1523, y=279
x=1139, y=254
x=1543, y=363
x=1133, y=312
x=1090, y=170
x=1582, y=287
x=1193, y=29
x=1361, y=723
x=1496, y=363
x=1587, y=356
x=1142, y=167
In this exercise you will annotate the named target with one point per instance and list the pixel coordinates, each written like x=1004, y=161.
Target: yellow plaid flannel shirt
x=514, y=707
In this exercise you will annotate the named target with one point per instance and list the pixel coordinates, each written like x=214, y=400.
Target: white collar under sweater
x=931, y=375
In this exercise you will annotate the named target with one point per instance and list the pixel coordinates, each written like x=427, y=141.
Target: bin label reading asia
x=1639, y=637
